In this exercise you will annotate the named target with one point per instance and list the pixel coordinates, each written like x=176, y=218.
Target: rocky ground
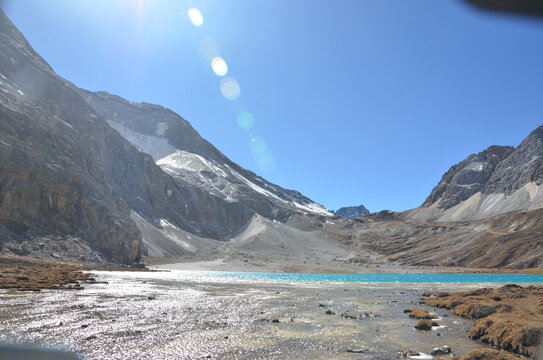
x=183, y=315
x=508, y=318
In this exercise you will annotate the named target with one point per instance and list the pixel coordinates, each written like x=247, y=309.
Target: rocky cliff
x=351, y=211
x=523, y=166
x=56, y=156
x=495, y=181
x=467, y=177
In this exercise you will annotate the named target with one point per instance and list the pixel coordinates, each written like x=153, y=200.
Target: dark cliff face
x=53, y=158
x=351, y=211
x=498, y=169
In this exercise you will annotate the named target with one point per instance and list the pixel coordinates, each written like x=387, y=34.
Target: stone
x=444, y=350
x=425, y=325
x=421, y=314
x=358, y=351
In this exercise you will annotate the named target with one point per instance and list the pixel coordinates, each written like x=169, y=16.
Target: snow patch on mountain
x=161, y=128
x=215, y=176
x=220, y=179
x=157, y=147
x=188, y=161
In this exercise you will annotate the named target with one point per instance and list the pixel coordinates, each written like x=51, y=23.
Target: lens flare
x=219, y=66
x=230, y=88
x=266, y=163
x=209, y=48
x=196, y=17
x=246, y=120
x=258, y=145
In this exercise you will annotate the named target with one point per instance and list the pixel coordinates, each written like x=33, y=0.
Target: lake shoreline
x=326, y=267
x=28, y=274
x=36, y=274
x=509, y=317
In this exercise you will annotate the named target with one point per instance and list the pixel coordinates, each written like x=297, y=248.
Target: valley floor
x=178, y=313
x=183, y=315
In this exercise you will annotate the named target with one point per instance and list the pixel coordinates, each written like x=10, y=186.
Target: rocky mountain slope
x=514, y=240
x=57, y=175
x=351, y=211
x=183, y=153
x=495, y=181
x=487, y=211
x=94, y=177
x=70, y=183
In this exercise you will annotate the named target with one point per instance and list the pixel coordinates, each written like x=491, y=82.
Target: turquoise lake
x=382, y=278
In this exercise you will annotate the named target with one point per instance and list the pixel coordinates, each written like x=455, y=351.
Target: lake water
x=381, y=278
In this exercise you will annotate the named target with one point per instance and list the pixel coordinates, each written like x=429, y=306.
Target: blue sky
x=354, y=102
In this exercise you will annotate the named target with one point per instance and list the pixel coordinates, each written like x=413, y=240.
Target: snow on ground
x=313, y=208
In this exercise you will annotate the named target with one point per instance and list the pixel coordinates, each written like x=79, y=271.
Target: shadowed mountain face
x=66, y=173
x=57, y=157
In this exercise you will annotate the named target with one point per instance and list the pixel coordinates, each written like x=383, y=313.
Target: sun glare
x=196, y=17
x=219, y=66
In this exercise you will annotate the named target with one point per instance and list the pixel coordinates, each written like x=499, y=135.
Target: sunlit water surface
x=197, y=314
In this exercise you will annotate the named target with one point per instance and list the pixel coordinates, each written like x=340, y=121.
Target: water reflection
x=187, y=315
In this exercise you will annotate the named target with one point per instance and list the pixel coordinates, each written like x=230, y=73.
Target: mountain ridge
x=90, y=176
x=495, y=181
x=52, y=139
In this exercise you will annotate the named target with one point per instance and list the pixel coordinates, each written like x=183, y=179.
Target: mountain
x=181, y=152
x=56, y=172
x=191, y=161
x=73, y=187
x=487, y=211
x=89, y=176
x=495, y=181
x=512, y=240
x=351, y=211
